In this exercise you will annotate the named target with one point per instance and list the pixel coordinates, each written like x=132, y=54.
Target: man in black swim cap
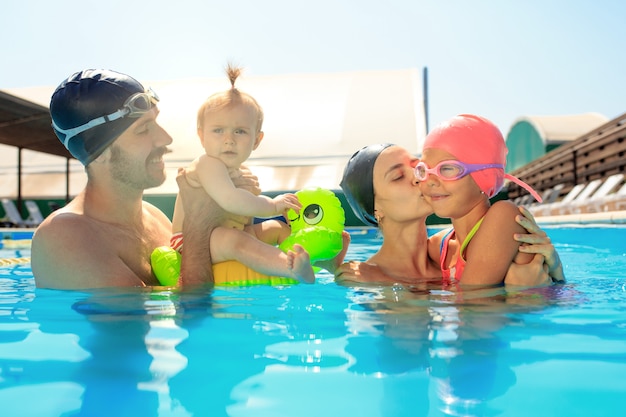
x=92, y=108
x=105, y=235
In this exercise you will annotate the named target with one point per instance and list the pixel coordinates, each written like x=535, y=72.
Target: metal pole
x=425, y=88
x=19, y=181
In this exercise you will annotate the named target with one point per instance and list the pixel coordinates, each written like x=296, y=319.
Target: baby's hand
x=284, y=202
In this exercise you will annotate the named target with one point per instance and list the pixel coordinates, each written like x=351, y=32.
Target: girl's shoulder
x=500, y=218
x=502, y=207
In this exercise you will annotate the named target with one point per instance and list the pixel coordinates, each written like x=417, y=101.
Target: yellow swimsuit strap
x=469, y=237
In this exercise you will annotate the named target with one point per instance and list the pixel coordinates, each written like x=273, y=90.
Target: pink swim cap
x=475, y=140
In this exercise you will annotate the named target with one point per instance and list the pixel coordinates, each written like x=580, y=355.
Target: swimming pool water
x=321, y=350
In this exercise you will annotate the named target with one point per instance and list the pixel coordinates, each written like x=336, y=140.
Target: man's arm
x=202, y=215
x=244, y=178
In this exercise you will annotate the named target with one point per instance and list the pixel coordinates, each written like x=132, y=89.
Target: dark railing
x=597, y=154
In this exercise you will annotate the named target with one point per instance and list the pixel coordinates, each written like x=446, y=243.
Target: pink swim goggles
x=451, y=170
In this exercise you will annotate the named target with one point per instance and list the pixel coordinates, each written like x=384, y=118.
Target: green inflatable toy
x=317, y=228
x=319, y=225
x=166, y=265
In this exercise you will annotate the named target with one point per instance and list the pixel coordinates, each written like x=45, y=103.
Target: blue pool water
x=321, y=350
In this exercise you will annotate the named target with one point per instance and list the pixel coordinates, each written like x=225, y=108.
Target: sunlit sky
x=501, y=59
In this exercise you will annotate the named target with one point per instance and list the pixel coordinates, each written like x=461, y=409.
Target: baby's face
x=230, y=134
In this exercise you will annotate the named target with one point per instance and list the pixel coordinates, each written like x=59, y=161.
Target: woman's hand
x=355, y=272
x=537, y=241
x=533, y=274
x=333, y=265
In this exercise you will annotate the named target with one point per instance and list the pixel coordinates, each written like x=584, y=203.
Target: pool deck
x=605, y=218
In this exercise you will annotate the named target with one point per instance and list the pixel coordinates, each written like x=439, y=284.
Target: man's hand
x=202, y=215
x=245, y=179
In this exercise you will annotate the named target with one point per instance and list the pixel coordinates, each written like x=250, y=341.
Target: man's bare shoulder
x=60, y=225
x=71, y=250
x=156, y=214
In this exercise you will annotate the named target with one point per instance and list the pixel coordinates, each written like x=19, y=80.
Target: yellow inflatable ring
x=233, y=273
x=166, y=266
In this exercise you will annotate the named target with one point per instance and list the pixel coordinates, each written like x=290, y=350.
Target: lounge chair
x=615, y=201
x=548, y=196
x=34, y=214
x=568, y=207
x=517, y=200
x=53, y=206
x=547, y=209
x=523, y=200
x=593, y=204
x=13, y=215
x=552, y=194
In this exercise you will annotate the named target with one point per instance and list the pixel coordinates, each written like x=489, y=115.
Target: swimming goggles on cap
x=450, y=170
x=135, y=106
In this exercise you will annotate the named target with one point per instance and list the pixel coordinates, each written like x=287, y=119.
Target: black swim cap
x=85, y=96
x=358, y=182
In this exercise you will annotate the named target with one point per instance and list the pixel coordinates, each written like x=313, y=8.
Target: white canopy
x=313, y=124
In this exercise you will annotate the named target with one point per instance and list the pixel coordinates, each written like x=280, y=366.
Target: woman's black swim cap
x=358, y=182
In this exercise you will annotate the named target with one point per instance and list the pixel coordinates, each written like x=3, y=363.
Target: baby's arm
x=232, y=244
x=213, y=175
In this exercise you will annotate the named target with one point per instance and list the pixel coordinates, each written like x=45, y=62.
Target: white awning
x=313, y=124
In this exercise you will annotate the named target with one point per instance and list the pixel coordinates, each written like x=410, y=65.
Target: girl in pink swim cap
x=462, y=166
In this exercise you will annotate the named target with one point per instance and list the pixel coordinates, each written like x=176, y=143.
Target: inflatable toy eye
x=313, y=214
